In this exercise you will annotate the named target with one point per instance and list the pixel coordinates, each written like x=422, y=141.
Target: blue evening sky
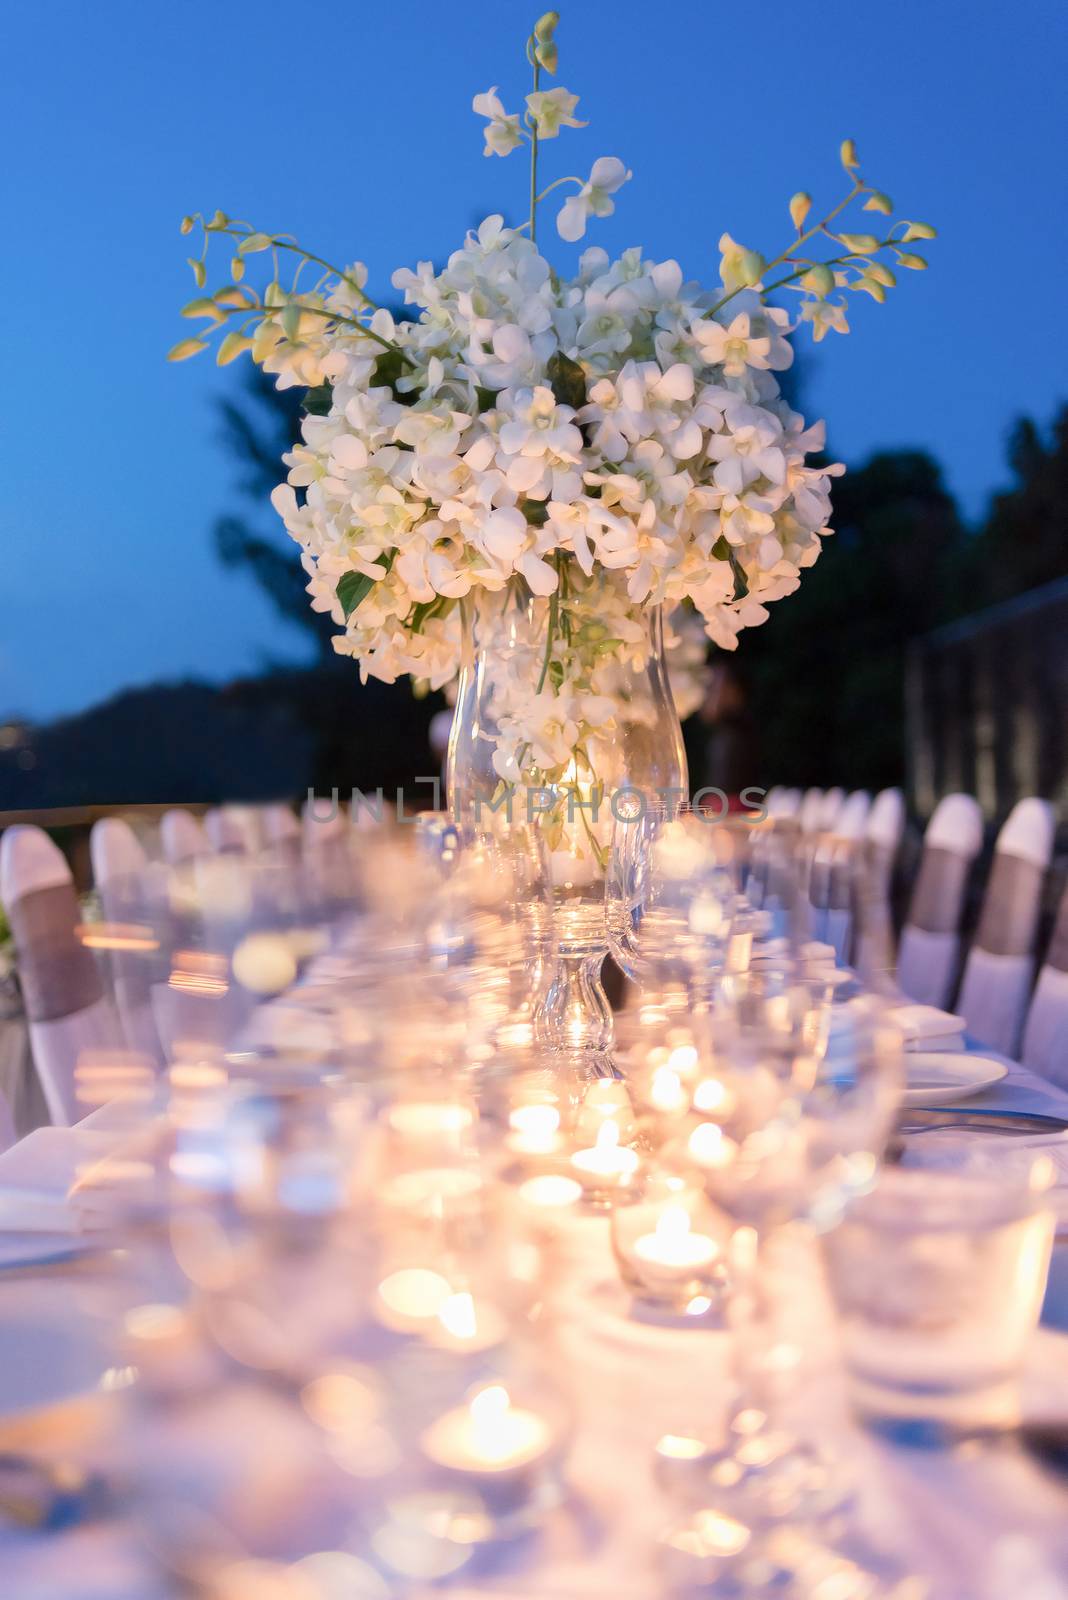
x=349, y=125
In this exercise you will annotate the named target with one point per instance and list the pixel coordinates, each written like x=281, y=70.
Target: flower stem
x=532, y=55
x=801, y=239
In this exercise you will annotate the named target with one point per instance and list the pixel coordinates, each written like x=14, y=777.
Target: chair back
x=1045, y=1040
x=67, y=1009
x=181, y=837
x=128, y=936
x=929, y=953
x=1000, y=966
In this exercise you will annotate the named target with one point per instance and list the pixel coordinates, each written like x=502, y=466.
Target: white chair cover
x=874, y=944
x=928, y=957
x=810, y=811
x=280, y=832
x=1000, y=966
x=830, y=809
x=181, y=837
x=233, y=830
x=128, y=938
x=852, y=819
x=67, y=1010
x=1045, y=1042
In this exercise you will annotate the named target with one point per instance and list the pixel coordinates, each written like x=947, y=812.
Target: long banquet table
x=984, y=1522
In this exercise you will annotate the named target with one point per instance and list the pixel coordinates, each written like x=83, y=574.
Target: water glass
x=938, y=1275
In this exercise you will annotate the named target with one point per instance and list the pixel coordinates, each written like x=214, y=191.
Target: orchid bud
x=546, y=26
x=750, y=267
x=187, y=225
x=859, y=244
x=848, y=154
x=291, y=322
x=186, y=348
x=254, y=242
x=231, y=347
x=200, y=276
x=800, y=206
x=230, y=297
x=882, y=274
x=200, y=308
x=219, y=220
x=818, y=280
x=237, y=269
x=548, y=56
x=919, y=230
x=877, y=201
x=869, y=286
x=905, y=259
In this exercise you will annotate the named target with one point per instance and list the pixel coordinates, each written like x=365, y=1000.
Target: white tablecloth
x=980, y=1524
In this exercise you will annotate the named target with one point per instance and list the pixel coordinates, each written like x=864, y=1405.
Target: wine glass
x=671, y=892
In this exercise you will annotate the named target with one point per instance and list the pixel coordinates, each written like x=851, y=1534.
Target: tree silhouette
x=256, y=430
x=1025, y=540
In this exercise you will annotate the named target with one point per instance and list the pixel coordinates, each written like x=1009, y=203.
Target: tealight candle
x=534, y=1130
x=672, y=1250
x=606, y=1165
x=606, y=1099
x=466, y=1327
x=423, y=1119
x=488, y=1436
x=710, y=1148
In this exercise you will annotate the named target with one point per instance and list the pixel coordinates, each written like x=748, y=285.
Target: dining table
x=986, y=1519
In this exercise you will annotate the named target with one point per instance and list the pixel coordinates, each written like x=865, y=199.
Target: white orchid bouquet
x=607, y=441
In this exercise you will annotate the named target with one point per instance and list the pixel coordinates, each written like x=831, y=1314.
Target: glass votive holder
x=671, y=1243
x=607, y=1168
x=938, y=1277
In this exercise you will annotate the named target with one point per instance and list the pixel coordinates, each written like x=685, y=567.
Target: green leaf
x=723, y=550
x=567, y=379
x=536, y=512
x=487, y=398
x=425, y=610
x=387, y=370
x=317, y=401
x=352, y=587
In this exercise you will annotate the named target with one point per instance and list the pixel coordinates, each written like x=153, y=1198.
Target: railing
x=987, y=705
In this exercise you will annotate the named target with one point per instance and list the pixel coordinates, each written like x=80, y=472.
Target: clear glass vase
x=563, y=712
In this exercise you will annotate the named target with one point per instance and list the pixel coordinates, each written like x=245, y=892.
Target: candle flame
x=666, y=1089
x=490, y=1405
x=608, y=1135
x=457, y=1316
x=673, y=1224
x=539, y=1122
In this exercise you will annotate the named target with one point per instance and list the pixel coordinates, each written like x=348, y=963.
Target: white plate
x=43, y=1362
x=942, y=1077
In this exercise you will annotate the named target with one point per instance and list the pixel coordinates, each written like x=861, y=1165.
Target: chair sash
x=1009, y=919
x=58, y=974
x=941, y=884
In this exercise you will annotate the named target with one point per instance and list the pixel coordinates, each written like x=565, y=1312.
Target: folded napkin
x=69, y=1180
x=992, y=1155
x=928, y=1028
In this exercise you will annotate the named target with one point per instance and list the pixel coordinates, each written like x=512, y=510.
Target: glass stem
x=577, y=1013
x=764, y=1364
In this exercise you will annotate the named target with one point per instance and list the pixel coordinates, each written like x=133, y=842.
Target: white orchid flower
x=606, y=176
x=734, y=347
x=503, y=132
x=824, y=315
x=552, y=109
